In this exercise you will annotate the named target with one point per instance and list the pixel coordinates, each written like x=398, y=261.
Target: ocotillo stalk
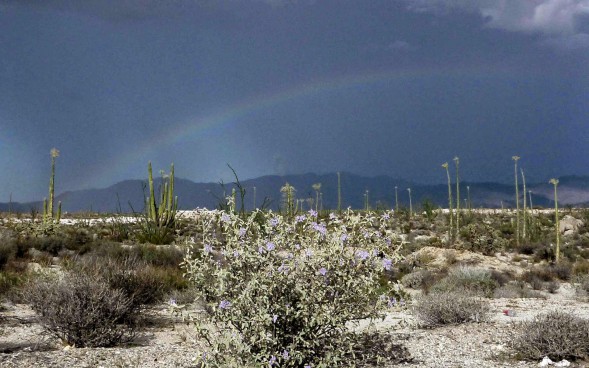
x=366, y=200
x=515, y=158
x=410, y=203
x=254, y=198
x=531, y=205
x=555, y=183
x=524, y=209
x=445, y=166
x=468, y=196
x=457, y=161
x=339, y=192
x=396, y=200
x=58, y=217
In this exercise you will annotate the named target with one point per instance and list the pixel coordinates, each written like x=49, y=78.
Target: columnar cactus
x=524, y=209
x=410, y=203
x=456, y=162
x=445, y=166
x=554, y=182
x=515, y=158
x=164, y=214
x=48, y=204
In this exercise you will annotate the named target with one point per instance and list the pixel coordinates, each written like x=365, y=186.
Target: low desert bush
x=142, y=283
x=82, y=310
x=558, y=335
x=517, y=290
x=287, y=292
x=581, y=267
x=417, y=279
x=444, y=308
x=468, y=279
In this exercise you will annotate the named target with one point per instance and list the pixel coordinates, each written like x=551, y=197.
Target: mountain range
x=128, y=196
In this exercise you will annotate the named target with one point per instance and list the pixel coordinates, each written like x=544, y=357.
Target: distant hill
x=572, y=190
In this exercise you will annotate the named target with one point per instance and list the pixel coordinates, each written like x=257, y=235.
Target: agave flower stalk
x=254, y=199
x=317, y=189
x=445, y=166
x=366, y=201
x=457, y=162
x=468, y=197
x=554, y=182
x=524, y=209
x=515, y=158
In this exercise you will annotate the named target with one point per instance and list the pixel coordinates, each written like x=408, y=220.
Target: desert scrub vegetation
x=558, y=335
x=287, y=292
x=444, y=308
x=82, y=311
x=467, y=279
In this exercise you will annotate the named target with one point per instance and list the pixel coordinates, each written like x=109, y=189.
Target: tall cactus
x=164, y=213
x=554, y=182
x=48, y=215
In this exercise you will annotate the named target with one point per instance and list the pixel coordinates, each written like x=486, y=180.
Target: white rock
x=545, y=362
x=563, y=363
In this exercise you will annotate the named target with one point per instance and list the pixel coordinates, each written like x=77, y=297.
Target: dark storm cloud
x=373, y=87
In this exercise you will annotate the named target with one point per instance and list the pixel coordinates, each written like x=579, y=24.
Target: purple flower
x=225, y=218
x=386, y=216
x=320, y=228
x=241, y=232
x=300, y=218
x=283, y=269
x=272, y=361
x=392, y=302
x=261, y=249
x=308, y=366
x=274, y=221
x=362, y=254
x=387, y=264
x=285, y=355
x=235, y=254
x=208, y=248
x=312, y=213
x=270, y=246
x=172, y=302
x=323, y=271
x=224, y=304
x=332, y=216
x=343, y=237
x=309, y=253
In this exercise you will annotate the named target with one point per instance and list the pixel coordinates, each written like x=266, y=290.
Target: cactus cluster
x=164, y=213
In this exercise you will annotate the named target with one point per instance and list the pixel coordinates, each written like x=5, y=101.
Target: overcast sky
x=371, y=87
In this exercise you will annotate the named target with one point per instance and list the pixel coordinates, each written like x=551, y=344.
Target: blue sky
x=374, y=87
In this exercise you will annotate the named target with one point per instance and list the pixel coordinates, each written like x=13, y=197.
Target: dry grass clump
x=82, y=310
x=555, y=334
x=446, y=308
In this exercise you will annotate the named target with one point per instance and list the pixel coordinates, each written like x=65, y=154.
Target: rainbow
x=233, y=113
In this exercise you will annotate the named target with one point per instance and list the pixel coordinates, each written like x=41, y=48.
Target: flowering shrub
x=286, y=293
